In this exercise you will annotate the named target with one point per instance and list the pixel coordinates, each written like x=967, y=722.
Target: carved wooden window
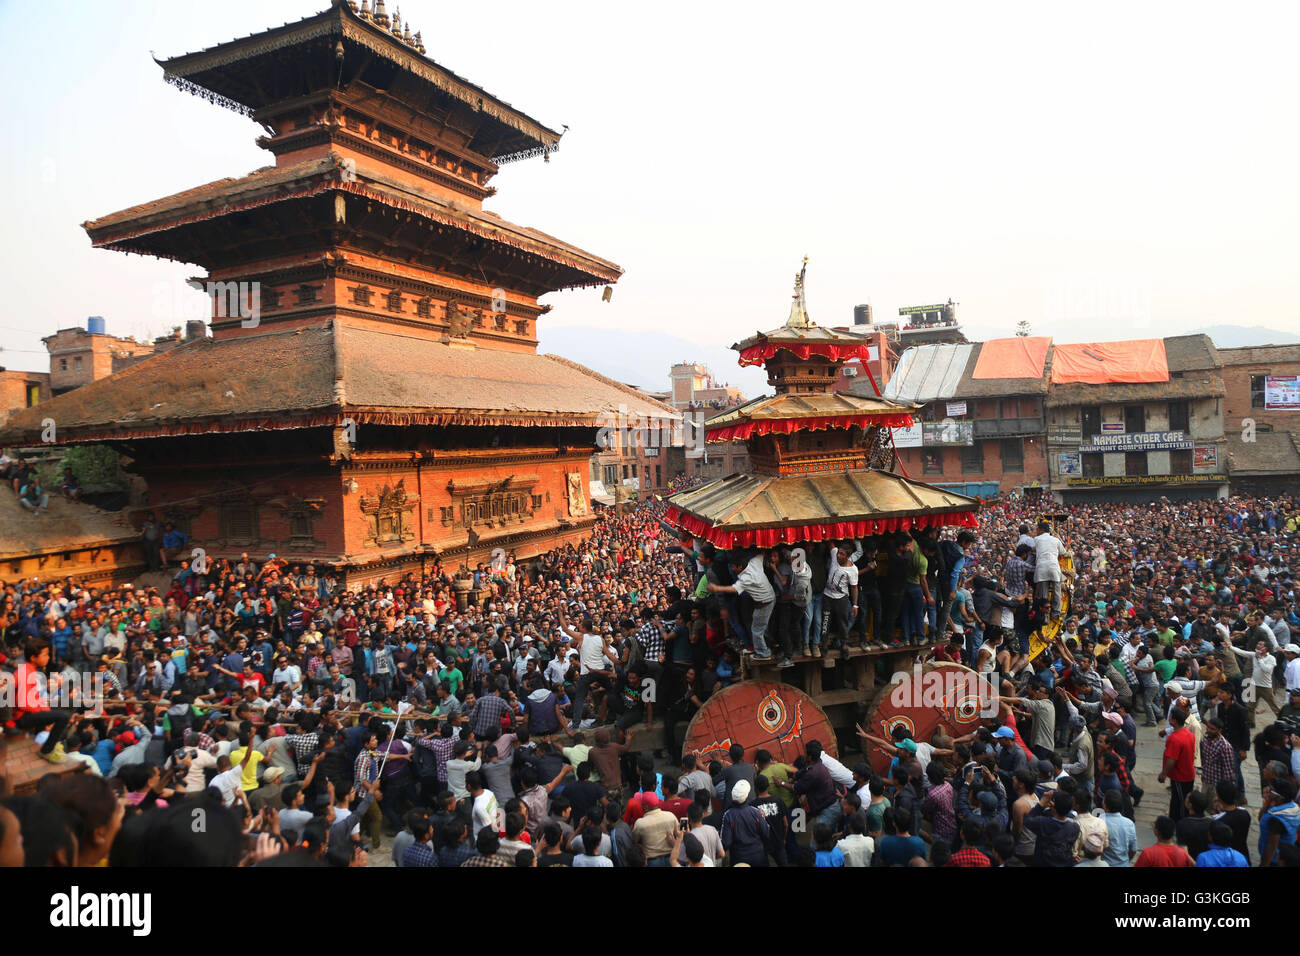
x=471, y=512
x=237, y=520
x=394, y=301
x=422, y=307
x=521, y=327
x=306, y=294
x=537, y=502
x=477, y=320
x=500, y=321
x=361, y=295
x=270, y=298
x=448, y=515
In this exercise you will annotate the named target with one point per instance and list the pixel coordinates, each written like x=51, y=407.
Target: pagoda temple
x=371, y=398
x=823, y=461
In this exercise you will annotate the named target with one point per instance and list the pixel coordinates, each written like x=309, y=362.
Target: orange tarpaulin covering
x=1101, y=363
x=1018, y=357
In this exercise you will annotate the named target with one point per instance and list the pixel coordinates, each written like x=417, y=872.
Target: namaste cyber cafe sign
x=1138, y=441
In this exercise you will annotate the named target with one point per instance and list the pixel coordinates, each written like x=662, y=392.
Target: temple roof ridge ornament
x=799, y=307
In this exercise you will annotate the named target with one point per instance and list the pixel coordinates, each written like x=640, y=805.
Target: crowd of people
x=538, y=720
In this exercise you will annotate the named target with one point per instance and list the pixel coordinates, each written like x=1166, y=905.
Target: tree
x=1022, y=328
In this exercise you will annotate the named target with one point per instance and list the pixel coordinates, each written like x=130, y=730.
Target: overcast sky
x=1100, y=170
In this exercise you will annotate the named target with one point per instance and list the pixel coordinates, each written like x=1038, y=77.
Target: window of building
x=521, y=327
x=1013, y=454
x=1179, y=418
x=1094, y=465
x=1091, y=417
x=63, y=367
x=659, y=475
x=1135, y=419
x=1009, y=408
x=306, y=294
x=1257, y=391
x=972, y=459
x=394, y=301
x=33, y=394
x=931, y=462
x=422, y=307
x=1180, y=462
x=77, y=361
x=611, y=475
x=1135, y=463
x=269, y=298
x=361, y=295
x=537, y=502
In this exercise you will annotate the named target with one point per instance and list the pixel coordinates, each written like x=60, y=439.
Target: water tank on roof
x=95, y=325
x=862, y=315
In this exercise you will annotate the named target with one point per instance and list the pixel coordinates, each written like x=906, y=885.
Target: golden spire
x=799, y=307
x=419, y=43
x=381, y=14
x=365, y=10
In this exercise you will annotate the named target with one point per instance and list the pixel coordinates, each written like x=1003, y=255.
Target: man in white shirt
x=1047, y=567
x=1292, y=672
x=856, y=846
x=839, y=773
x=228, y=779
x=840, y=596
x=751, y=580
x=593, y=650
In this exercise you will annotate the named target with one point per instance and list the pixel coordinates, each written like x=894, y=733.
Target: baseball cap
x=1004, y=733
x=905, y=744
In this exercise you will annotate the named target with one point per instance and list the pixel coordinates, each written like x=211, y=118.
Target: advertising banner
x=1140, y=441
x=1282, y=392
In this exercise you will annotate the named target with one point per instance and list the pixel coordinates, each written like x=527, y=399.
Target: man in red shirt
x=1180, y=764
x=1165, y=852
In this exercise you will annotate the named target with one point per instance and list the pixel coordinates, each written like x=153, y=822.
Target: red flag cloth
x=770, y=537
x=787, y=426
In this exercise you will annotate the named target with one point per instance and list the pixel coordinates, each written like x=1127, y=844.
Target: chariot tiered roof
x=823, y=460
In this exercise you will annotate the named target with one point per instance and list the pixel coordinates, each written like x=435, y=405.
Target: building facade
x=1261, y=417
x=1150, y=421
x=20, y=390
x=981, y=429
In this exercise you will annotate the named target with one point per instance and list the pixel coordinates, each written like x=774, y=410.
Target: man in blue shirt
x=173, y=543
x=1221, y=852
x=1123, y=844
x=1278, y=822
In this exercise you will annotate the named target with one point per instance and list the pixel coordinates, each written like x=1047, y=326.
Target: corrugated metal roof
x=928, y=372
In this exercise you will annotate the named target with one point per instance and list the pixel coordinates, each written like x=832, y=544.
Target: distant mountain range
x=644, y=359
x=1241, y=336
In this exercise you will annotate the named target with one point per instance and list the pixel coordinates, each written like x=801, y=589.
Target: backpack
x=635, y=657
x=801, y=590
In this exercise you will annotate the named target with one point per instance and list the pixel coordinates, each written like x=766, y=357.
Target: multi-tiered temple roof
x=823, y=461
